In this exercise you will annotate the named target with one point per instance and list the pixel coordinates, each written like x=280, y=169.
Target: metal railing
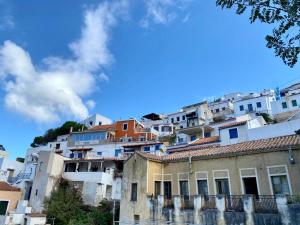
x=187, y=202
x=209, y=202
x=168, y=203
x=265, y=204
x=293, y=199
x=234, y=203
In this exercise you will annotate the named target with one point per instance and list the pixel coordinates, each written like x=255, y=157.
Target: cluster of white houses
x=234, y=145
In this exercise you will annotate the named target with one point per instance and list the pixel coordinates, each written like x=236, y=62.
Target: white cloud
x=91, y=104
x=103, y=77
x=56, y=88
x=162, y=11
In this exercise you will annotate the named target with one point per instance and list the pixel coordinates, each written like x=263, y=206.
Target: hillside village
x=233, y=160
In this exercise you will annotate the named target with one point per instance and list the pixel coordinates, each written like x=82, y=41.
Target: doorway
x=250, y=186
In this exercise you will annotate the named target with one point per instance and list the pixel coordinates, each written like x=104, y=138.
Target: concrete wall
x=48, y=172
x=242, y=135
x=135, y=171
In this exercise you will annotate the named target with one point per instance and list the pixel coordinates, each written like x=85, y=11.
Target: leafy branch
x=285, y=38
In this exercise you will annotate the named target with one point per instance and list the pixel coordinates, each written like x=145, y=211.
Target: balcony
x=89, y=171
x=96, y=177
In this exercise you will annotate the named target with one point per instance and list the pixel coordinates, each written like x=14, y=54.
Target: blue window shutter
x=233, y=133
x=72, y=155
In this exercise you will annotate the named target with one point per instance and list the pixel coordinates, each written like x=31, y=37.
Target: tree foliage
x=52, y=134
x=66, y=206
x=285, y=14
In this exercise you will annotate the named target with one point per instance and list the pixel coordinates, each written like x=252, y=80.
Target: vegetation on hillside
x=65, y=207
x=52, y=134
x=284, y=14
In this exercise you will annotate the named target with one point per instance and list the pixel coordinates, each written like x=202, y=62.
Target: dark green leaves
x=285, y=14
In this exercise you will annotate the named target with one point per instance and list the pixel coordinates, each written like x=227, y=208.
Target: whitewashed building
x=255, y=103
x=96, y=120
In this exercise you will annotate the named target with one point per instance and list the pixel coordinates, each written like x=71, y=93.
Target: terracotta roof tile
x=244, y=148
x=207, y=140
x=233, y=124
x=7, y=187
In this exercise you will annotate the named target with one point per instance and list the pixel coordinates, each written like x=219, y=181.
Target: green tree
x=285, y=14
x=65, y=204
x=52, y=134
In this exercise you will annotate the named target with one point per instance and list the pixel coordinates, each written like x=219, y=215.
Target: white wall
x=242, y=135
x=274, y=130
x=277, y=105
x=264, y=100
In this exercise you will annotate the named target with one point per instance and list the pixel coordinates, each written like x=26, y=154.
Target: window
x=157, y=147
x=294, y=103
x=91, y=123
x=125, y=126
x=184, y=188
x=222, y=186
x=155, y=128
x=133, y=191
x=258, y=104
x=233, y=133
x=100, y=123
x=279, y=180
x=202, y=187
x=217, y=110
x=36, y=192
x=3, y=207
x=147, y=149
x=117, y=152
x=284, y=105
x=207, y=134
x=99, y=153
x=250, y=186
x=241, y=108
x=79, y=155
x=223, y=108
x=168, y=189
x=72, y=155
x=280, y=185
x=157, y=188
x=193, y=138
x=178, y=118
x=183, y=117
x=172, y=120
x=250, y=108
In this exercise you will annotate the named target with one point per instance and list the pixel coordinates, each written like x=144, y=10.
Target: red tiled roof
x=192, y=147
x=7, y=187
x=244, y=148
x=206, y=140
x=233, y=124
x=103, y=127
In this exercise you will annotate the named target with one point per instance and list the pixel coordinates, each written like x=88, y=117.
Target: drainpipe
x=291, y=157
x=190, y=164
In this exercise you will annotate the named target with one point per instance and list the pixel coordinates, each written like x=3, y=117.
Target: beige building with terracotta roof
x=262, y=167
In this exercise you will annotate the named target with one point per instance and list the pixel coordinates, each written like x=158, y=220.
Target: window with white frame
x=183, y=179
x=279, y=180
x=222, y=185
x=249, y=181
x=202, y=183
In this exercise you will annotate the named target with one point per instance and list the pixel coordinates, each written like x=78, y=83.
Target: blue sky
x=128, y=58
